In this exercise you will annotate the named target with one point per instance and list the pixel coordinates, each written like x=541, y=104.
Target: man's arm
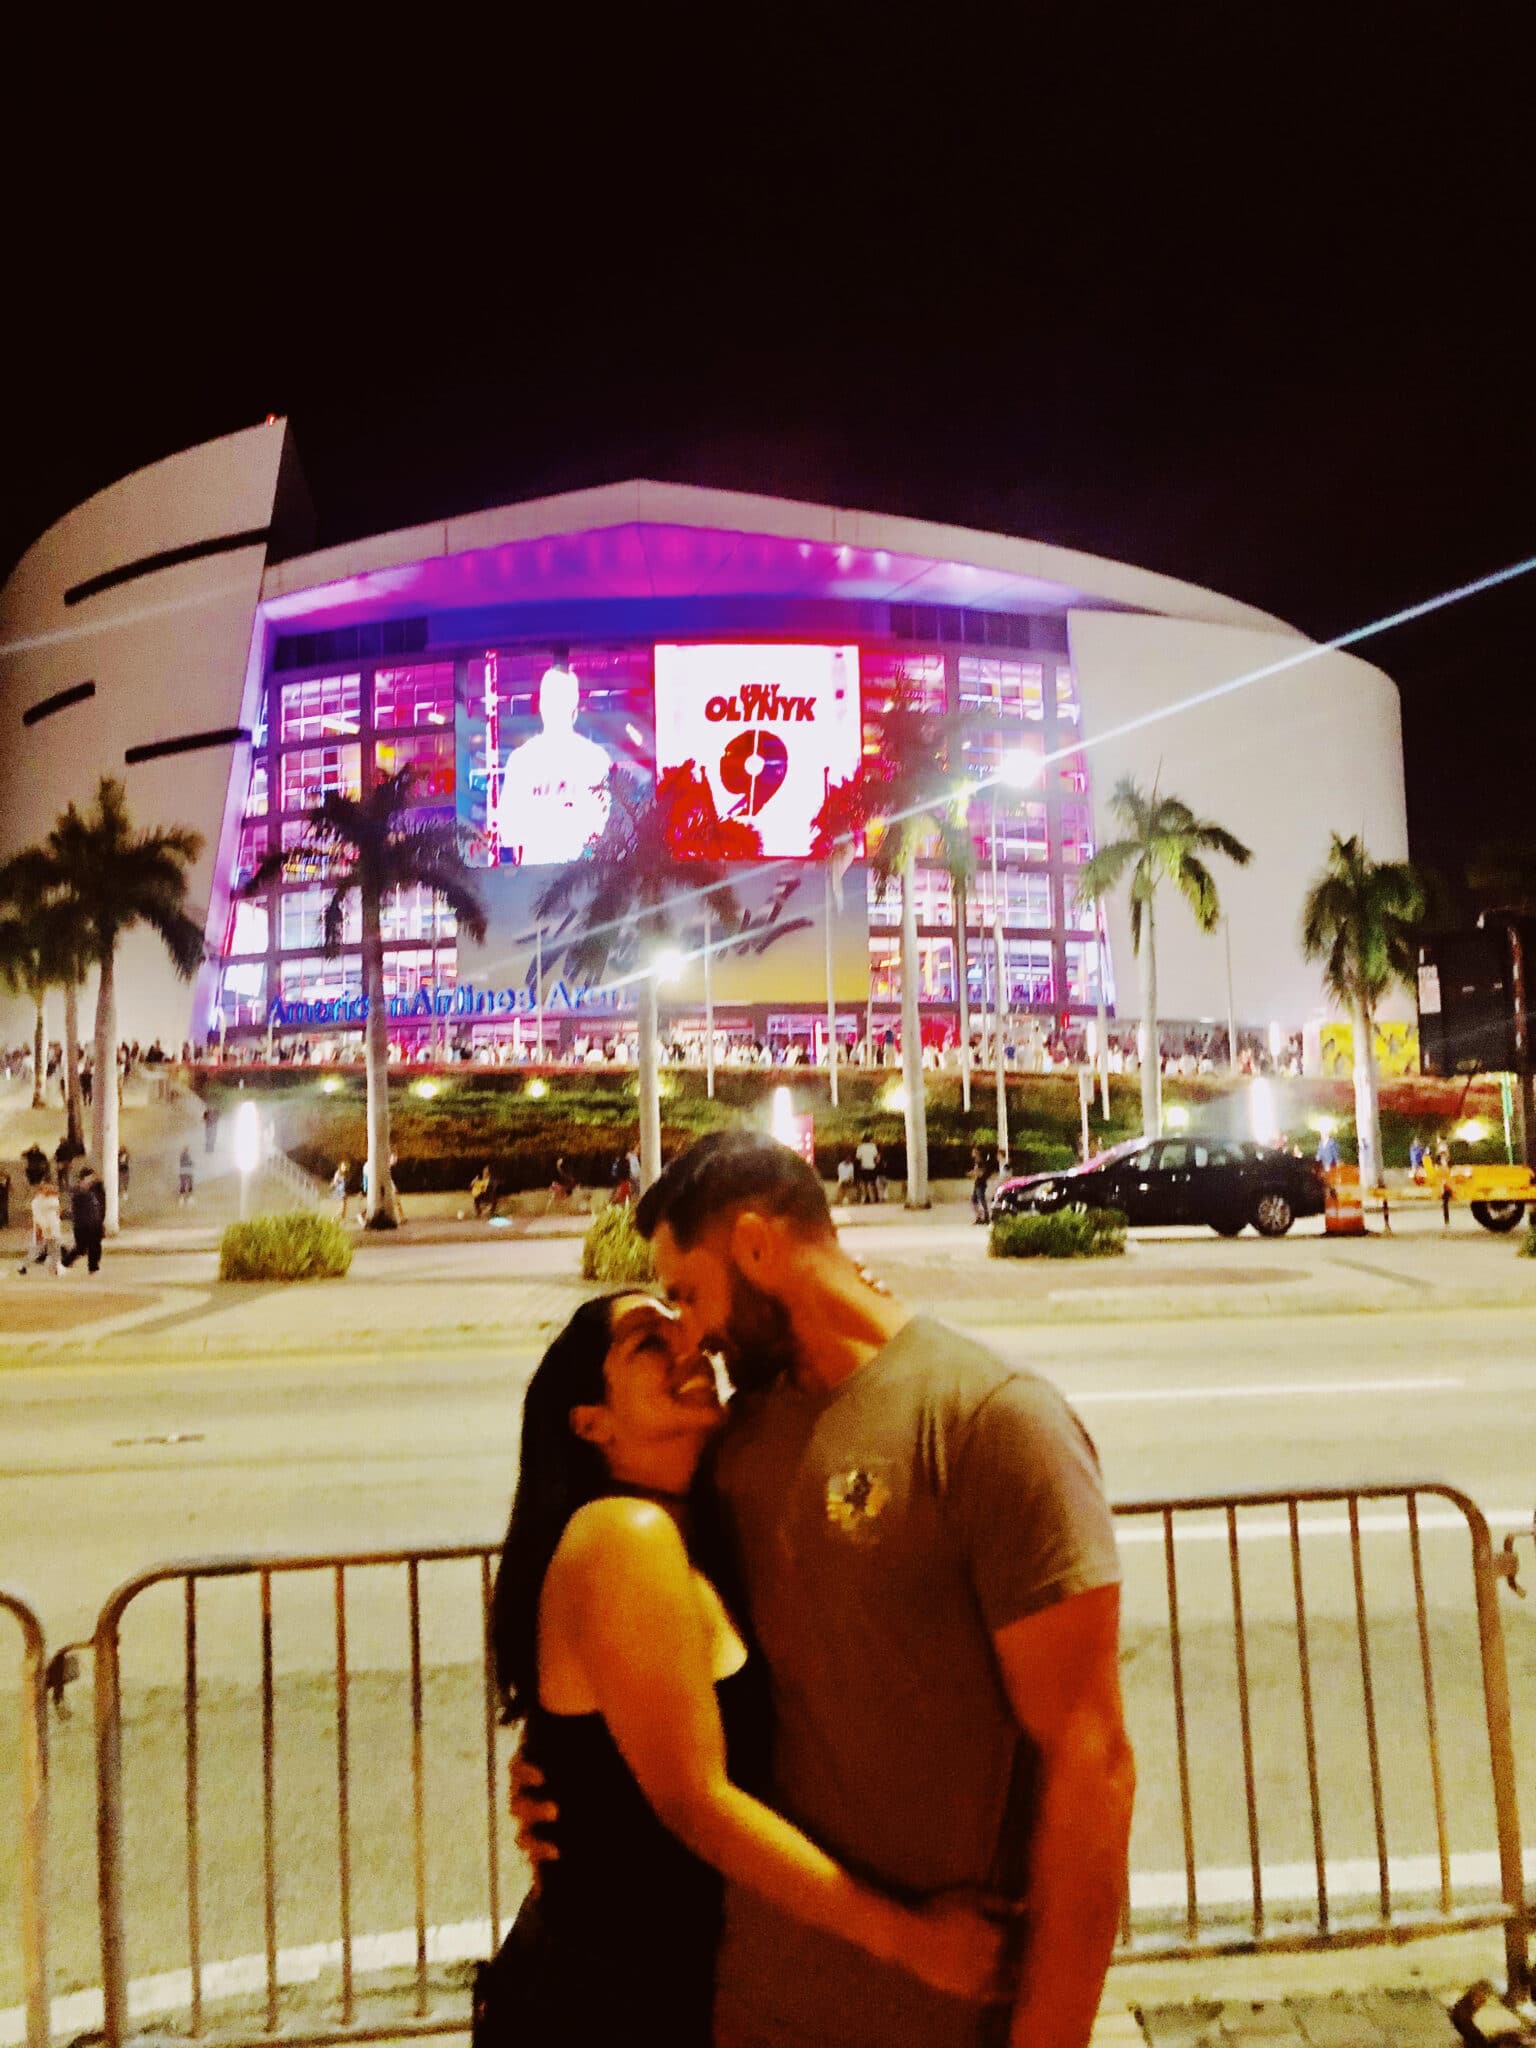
x=1061, y=1670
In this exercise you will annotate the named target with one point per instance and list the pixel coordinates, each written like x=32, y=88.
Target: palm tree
x=1163, y=842
x=628, y=885
x=907, y=789
x=957, y=857
x=371, y=846
x=114, y=878
x=1359, y=920
x=38, y=895
x=27, y=969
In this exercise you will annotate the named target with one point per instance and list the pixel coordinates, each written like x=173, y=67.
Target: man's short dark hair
x=725, y=1170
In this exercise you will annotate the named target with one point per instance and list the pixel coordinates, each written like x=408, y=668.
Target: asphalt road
x=104, y=1468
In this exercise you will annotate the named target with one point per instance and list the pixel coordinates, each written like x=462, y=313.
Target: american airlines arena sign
x=465, y=1000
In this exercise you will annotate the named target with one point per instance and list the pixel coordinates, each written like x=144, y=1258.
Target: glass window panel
x=1025, y=895
x=250, y=853
x=422, y=695
x=1074, y=774
x=884, y=909
x=1067, y=707
x=1031, y=975
x=318, y=772
x=256, y=801
x=430, y=757
x=918, y=677
x=319, y=707
x=302, y=919
x=242, y=992
x=417, y=913
x=1021, y=833
x=994, y=688
x=1076, y=834
x=1083, y=973
x=316, y=979
x=247, y=927
x=408, y=971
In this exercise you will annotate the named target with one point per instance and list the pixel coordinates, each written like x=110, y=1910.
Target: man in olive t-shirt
x=929, y=1568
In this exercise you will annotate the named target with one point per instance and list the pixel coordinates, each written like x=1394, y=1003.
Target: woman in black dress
x=646, y=1713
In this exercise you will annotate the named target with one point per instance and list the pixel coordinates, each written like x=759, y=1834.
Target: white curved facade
x=165, y=592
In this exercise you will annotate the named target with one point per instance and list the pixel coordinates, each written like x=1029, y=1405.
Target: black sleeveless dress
x=620, y=1944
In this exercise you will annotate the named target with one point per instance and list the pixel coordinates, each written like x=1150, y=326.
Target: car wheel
x=1273, y=1214
x=1500, y=1216
x=1229, y=1226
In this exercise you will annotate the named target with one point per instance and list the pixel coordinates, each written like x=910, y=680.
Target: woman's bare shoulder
x=620, y=1534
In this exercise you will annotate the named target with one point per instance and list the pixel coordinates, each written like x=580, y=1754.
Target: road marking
x=78, y=2012
x=1392, y=1522
x=1266, y=1390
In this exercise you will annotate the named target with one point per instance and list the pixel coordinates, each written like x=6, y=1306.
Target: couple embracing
x=822, y=1687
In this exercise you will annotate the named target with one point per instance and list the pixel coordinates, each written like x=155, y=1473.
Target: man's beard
x=758, y=1339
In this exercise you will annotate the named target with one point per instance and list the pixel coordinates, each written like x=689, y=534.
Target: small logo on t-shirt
x=854, y=1501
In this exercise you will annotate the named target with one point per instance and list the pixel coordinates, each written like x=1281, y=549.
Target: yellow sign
x=1397, y=1050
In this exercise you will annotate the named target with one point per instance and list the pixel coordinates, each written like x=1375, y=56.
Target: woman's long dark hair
x=557, y=1474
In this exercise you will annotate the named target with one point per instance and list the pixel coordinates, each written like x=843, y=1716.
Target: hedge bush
x=295, y=1246
x=1068, y=1234
x=614, y=1251
x=1528, y=1242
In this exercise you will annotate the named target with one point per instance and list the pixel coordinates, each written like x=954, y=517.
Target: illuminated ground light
x=426, y=1089
x=1325, y=1126
x=895, y=1100
x=1176, y=1117
x=330, y=1085
x=1263, y=1119
x=783, y=1116
x=538, y=1088
x=1473, y=1131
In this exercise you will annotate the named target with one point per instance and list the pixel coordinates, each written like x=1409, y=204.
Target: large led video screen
x=538, y=734
x=772, y=728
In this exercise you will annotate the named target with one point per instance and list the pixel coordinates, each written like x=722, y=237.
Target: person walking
x=339, y=1190
x=88, y=1214
x=982, y=1168
x=866, y=1158
x=210, y=1130
x=184, y=1178
x=47, y=1231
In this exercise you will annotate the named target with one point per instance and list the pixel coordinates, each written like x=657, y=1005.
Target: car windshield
x=1125, y=1150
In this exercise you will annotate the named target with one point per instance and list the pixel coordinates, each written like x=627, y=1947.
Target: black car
x=1225, y=1182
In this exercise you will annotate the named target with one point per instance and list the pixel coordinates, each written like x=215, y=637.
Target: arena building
x=171, y=631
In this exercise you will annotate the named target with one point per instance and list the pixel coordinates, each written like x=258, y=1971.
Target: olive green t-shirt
x=883, y=1533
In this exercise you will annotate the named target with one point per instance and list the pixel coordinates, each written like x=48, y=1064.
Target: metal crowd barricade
x=32, y=1831
x=278, y=1575
x=1207, y=1728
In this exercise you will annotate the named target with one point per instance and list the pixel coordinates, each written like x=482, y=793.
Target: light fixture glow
x=1473, y=1131
x=538, y=1088
x=1020, y=771
x=426, y=1089
x=668, y=964
x=1176, y=1117
x=1325, y=1126
x=1263, y=1120
x=782, y=1121
x=330, y=1085
x=895, y=1099
x=247, y=1138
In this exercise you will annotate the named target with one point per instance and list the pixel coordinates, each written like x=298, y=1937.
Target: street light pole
x=998, y=970
x=1226, y=926
x=826, y=923
x=709, y=1010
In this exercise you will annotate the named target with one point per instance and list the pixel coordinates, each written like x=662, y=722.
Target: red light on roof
x=270, y=420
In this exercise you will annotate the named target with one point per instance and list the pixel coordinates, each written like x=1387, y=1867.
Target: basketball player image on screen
x=554, y=787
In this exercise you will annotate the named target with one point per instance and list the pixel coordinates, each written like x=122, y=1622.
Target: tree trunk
x=382, y=1209
x=104, y=1097
x=39, y=1053
x=1367, y=1111
x=1152, y=1061
x=963, y=962
x=647, y=1051
x=912, y=1075
x=73, y=1100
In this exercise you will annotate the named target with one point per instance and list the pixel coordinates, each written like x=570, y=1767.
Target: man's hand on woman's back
x=530, y=1814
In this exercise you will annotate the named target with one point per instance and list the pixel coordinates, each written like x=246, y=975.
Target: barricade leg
x=34, y=1818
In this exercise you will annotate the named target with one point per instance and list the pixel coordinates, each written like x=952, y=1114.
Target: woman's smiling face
x=658, y=1394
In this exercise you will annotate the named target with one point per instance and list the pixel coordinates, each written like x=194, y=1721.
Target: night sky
x=1257, y=315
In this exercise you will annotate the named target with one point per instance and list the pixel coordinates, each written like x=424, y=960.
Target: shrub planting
x=614, y=1251
x=1528, y=1242
x=1068, y=1234
x=295, y=1246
